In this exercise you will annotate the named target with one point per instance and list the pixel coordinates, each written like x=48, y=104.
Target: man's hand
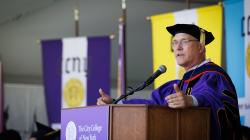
x=104, y=99
x=179, y=99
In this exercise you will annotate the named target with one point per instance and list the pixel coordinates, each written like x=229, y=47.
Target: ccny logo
x=70, y=131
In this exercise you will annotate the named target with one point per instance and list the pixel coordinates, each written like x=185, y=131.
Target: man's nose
x=178, y=46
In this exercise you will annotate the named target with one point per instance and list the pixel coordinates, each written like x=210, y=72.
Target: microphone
x=162, y=69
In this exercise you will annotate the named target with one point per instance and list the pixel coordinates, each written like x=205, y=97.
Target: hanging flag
x=1, y=98
x=121, y=80
x=234, y=41
x=238, y=51
x=74, y=69
x=209, y=18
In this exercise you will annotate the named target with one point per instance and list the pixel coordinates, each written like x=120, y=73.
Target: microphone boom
x=162, y=69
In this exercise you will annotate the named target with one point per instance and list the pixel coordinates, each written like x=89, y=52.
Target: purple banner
x=99, y=59
x=52, y=57
x=98, y=73
x=88, y=123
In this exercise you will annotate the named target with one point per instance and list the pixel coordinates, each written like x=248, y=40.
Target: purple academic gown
x=213, y=88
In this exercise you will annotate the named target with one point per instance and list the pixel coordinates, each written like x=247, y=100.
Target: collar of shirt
x=197, y=66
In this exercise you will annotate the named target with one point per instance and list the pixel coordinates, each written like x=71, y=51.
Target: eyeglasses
x=183, y=42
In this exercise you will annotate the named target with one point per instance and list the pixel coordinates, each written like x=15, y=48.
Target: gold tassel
x=202, y=37
x=171, y=47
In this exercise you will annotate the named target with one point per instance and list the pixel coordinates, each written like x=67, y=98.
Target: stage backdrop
x=74, y=69
x=237, y=28
x=209, y=18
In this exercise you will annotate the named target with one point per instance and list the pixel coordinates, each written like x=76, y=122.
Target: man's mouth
x=179, y=55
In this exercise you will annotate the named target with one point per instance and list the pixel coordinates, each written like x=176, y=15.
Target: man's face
x=187, y=50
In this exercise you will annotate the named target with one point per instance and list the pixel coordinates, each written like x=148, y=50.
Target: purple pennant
x=99, y=59
x=52, y=57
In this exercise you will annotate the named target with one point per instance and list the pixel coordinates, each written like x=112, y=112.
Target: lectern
x=135, y=122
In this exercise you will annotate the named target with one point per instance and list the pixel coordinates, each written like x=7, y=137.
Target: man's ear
x=202, y=48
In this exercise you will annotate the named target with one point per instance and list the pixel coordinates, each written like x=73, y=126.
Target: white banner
x=74, y=75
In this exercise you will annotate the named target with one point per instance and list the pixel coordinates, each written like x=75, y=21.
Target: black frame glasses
x=182, y=42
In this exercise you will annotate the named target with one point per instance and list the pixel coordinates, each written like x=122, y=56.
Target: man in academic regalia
x=204, y=83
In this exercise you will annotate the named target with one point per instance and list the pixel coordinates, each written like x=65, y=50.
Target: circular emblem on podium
x=248, y=59
x=73, y=93
x=70, y=133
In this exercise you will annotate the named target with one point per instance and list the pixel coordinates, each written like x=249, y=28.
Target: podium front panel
x=128, y=122
x=134, y=122
x=87, y=123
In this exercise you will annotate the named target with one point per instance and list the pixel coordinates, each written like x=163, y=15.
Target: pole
x=188, y=4
x=123, y=21
x=76, y=17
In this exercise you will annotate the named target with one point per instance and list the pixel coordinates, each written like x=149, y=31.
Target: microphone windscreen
x=162, y=68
